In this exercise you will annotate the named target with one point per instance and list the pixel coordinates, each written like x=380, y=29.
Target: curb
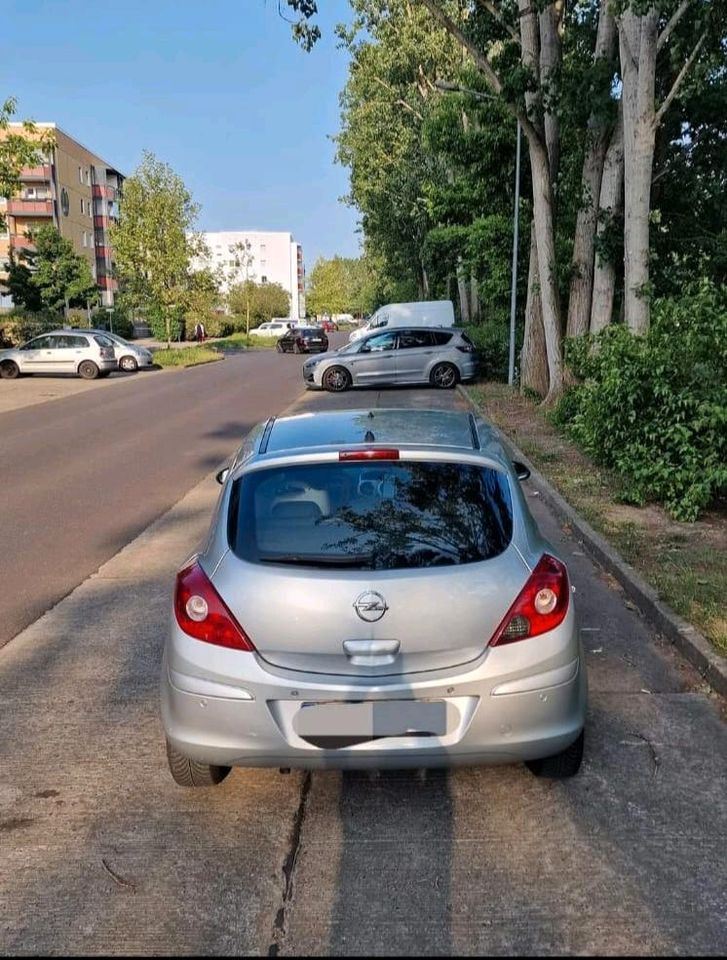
x=685, y=637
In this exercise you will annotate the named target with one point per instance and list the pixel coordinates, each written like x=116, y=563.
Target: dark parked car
x=303, y=340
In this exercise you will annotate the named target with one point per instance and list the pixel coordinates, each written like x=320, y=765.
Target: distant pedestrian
x=200, y=333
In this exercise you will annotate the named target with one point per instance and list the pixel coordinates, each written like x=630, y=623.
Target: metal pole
x=513, y=287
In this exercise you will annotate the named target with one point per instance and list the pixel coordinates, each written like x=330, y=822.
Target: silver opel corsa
x=373, y=592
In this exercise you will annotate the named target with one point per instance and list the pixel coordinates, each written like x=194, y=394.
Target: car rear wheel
x=444, y=376
x=567, y=763
x=128, y=364
x=189, y=773
x=9, y=370
x=279, y=348
x=336, y=379
x=88, y=370
x=296, y=348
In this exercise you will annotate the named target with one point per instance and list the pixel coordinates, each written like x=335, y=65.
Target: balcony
x=100, y=221
x=103, y=253
x=43, y=173
x=107, y=283
x=30, y=208
x=21, y=243
x=104, y=192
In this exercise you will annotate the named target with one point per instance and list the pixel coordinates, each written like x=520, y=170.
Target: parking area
x=42, y=388
x=104, y=854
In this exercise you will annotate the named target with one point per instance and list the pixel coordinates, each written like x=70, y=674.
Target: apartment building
x=76, y=191
x=275, y=258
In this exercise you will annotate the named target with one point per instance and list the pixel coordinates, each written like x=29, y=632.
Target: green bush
x=493, y=349
x=654, y=408
x=20, y=325
x=115, y=320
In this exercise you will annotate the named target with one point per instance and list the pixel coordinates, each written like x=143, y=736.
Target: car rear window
x=371, y=516
x=440, y=338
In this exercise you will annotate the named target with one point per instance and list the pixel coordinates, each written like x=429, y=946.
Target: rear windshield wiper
x=318, y=559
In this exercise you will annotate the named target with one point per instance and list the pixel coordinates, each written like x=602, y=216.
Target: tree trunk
x=550, y=53
x=609, y=206
x=464, y=306
x=637, y=44
x=543, y=164
x=581, y=286
x=475, y=315
x=545, y=243
x=533, y=359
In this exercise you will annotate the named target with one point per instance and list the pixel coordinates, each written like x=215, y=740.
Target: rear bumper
x=492, y=717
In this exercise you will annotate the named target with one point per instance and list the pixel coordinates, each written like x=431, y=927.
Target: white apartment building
x=274, y=257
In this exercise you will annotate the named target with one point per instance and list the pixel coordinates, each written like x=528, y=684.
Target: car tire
x=296, y=348
x=444, y=376
x=9, y=370
x=567, y=763
x=88, y=370
x=279, y=348
x=128, y=365
x=336, y=379
x=189, y=773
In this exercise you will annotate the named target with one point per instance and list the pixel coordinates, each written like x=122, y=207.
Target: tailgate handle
x=370, y=648
x=371, y=653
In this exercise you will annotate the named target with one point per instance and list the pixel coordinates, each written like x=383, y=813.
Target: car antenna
x=369, y=438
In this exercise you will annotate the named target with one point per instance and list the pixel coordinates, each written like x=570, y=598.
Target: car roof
x=444, y=429
x=399, y=327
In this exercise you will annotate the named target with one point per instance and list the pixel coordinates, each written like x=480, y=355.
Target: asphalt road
x=103, y=854
x=82, y=476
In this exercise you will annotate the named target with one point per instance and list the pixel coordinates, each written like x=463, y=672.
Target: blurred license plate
x=383, y=718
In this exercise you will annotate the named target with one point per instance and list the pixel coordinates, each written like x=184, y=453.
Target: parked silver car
x=373, y=593
x=440, y=356
x=129, y=356
x=86, y=353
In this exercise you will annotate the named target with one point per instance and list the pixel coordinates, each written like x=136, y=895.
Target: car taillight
x=466, y=348
x=202, y=613
x=541, y=605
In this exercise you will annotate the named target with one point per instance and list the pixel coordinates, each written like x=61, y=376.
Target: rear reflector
x=541, y=605
x=381, y=453
x=202, y=613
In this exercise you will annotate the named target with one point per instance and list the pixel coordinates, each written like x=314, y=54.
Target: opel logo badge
x=370, y=606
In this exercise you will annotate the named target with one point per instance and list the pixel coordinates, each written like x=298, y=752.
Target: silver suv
x=84, y=353
x=373, y=593
x=441, y=356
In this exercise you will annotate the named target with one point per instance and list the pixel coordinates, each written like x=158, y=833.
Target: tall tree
x=51, y=276
x=154, y=241
x=258, y=302
x=641, y=39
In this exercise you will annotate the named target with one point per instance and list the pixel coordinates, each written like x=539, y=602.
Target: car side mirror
x=521, y=470
x=223, y=475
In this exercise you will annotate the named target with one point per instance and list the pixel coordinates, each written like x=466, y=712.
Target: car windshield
x=371, y=515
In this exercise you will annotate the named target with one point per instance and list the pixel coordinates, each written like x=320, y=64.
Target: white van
x=420, y=313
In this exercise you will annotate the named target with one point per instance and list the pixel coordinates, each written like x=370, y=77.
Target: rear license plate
x=370, y=719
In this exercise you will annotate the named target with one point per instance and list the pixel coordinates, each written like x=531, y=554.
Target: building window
x=85, y=239
x=80, y=174
x=262, y=249
x=88, y=176
x=263, y=264
x=263, y=279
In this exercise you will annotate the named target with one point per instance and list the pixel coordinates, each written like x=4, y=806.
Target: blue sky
x=219, y=90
